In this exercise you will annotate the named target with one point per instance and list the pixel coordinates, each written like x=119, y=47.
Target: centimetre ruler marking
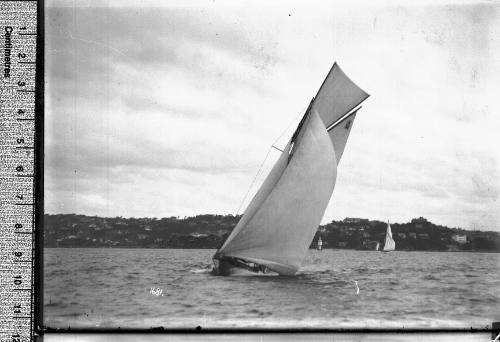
x=18, y=39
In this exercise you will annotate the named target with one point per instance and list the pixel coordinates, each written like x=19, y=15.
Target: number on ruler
x=18, y=280
x=21, y=139
x=17, y=309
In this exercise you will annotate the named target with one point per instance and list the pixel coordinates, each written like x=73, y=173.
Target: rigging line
x=254, y=179
x=288, y=126
x=267, y=155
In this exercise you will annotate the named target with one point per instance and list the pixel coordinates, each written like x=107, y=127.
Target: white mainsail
x=277, y=234
x=280, y=222
x=389, y=244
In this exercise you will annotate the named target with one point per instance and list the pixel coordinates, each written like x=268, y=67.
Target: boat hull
x=222, y=268
x=229, y=267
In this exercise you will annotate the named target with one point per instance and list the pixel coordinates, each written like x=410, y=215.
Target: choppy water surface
x=112, y=288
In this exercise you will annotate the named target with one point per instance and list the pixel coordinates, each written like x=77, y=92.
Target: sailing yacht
x=389, y=244
x=320, y=244
x=277, y=227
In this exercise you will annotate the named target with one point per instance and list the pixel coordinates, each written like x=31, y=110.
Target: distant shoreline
x=334, y=249
x=210, y=232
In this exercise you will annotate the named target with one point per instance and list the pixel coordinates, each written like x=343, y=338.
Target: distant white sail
x=389, y=244
x=280, y=222
x=320, y=244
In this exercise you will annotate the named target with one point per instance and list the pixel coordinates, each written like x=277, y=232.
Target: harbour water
x=173, y=288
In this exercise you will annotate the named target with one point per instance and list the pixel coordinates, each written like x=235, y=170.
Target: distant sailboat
x=389, y=244
x=320, y=244
x=279, y=224
x=377, y=246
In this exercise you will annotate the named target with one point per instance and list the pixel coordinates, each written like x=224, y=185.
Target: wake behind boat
x=277, y=227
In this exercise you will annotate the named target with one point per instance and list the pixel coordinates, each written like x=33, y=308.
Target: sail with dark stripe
x=337, y=96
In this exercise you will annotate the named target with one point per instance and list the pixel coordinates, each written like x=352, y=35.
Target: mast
x=295, y=136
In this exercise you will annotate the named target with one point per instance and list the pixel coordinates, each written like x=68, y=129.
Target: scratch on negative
x=98, y=43
x=93, y=42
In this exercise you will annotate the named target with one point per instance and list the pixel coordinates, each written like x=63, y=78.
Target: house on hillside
x=355, y=220
x=459, y=238
x=371, y=245
x=419, y=222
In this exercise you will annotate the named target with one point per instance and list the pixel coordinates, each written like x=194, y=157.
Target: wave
x=201, y=270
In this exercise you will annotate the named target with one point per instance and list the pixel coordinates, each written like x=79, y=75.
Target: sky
x=157, y=109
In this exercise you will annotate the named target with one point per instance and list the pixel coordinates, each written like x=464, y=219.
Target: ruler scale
x=18, y=89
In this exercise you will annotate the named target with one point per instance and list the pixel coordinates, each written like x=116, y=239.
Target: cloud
x=170, y=110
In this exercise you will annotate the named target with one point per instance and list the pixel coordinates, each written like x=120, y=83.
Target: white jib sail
x=280, y=222
x=389, y=244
